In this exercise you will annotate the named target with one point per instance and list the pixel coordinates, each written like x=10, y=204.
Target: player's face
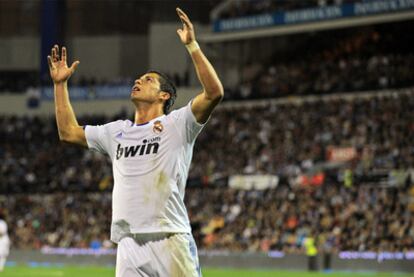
x=146, y=88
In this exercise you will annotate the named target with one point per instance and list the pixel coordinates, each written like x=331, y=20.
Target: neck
x=145, y=113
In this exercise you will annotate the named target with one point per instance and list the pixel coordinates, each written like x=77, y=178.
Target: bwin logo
x=140, y=149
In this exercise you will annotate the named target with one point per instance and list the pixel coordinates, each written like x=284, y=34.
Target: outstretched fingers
x=49, y=61
x=55, y=53
x=181, y=13
x=64, y=54
x=57, y=56
x=53, y=59
x=183, y=17
x=74, y=66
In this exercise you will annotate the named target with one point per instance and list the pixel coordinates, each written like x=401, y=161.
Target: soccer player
x=4, y=243
x=150, y=161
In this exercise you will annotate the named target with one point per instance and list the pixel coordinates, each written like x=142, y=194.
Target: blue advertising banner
x=91, y=93
x=313, y=14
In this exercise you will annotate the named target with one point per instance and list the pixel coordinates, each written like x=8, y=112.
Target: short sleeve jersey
x=150, y=164
x=4, y=239
x=3, y=228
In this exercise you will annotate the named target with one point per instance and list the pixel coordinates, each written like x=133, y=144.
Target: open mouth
x=135, y=88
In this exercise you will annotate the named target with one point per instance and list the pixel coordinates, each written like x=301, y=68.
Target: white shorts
x=4, y=246
x=157, y=255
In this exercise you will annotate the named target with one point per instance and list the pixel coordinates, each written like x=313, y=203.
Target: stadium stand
x=289, y=140
x=362, y=218
x=331, y=116
x=355, y=60
x=351, y=60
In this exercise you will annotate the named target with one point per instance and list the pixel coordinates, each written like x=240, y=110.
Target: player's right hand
x=186, y=34
x=59, y=70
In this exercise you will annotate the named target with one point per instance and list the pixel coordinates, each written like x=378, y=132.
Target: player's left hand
x=186, y=34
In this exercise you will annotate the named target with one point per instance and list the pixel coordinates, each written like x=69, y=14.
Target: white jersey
x=4, y=239
x=150, y=164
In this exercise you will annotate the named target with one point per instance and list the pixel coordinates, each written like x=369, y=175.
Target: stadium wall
x=101, y=57
x=109, y=57
x=19, y=53
x=393, y=262
x=166, y=52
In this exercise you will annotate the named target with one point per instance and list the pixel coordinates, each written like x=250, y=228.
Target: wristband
x=192, y=47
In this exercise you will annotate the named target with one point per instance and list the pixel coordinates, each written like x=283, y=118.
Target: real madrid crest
x=158, y=127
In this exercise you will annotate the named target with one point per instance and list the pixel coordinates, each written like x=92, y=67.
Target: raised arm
x=68, y=127
x=204, y=103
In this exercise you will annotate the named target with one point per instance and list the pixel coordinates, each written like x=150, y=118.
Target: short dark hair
x=166, y=85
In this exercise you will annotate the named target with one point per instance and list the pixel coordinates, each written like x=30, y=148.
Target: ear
x=164, y=95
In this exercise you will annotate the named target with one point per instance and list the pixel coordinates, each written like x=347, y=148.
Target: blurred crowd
x=284, y=139
x=350, y=61
x=58, y=220
x=323, y=77
x=33, y=159
x=289, y=138
x=360, y=218
x=278, y=138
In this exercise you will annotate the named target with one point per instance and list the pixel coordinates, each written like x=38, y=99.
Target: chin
x=134, y=95
x=134, y=101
